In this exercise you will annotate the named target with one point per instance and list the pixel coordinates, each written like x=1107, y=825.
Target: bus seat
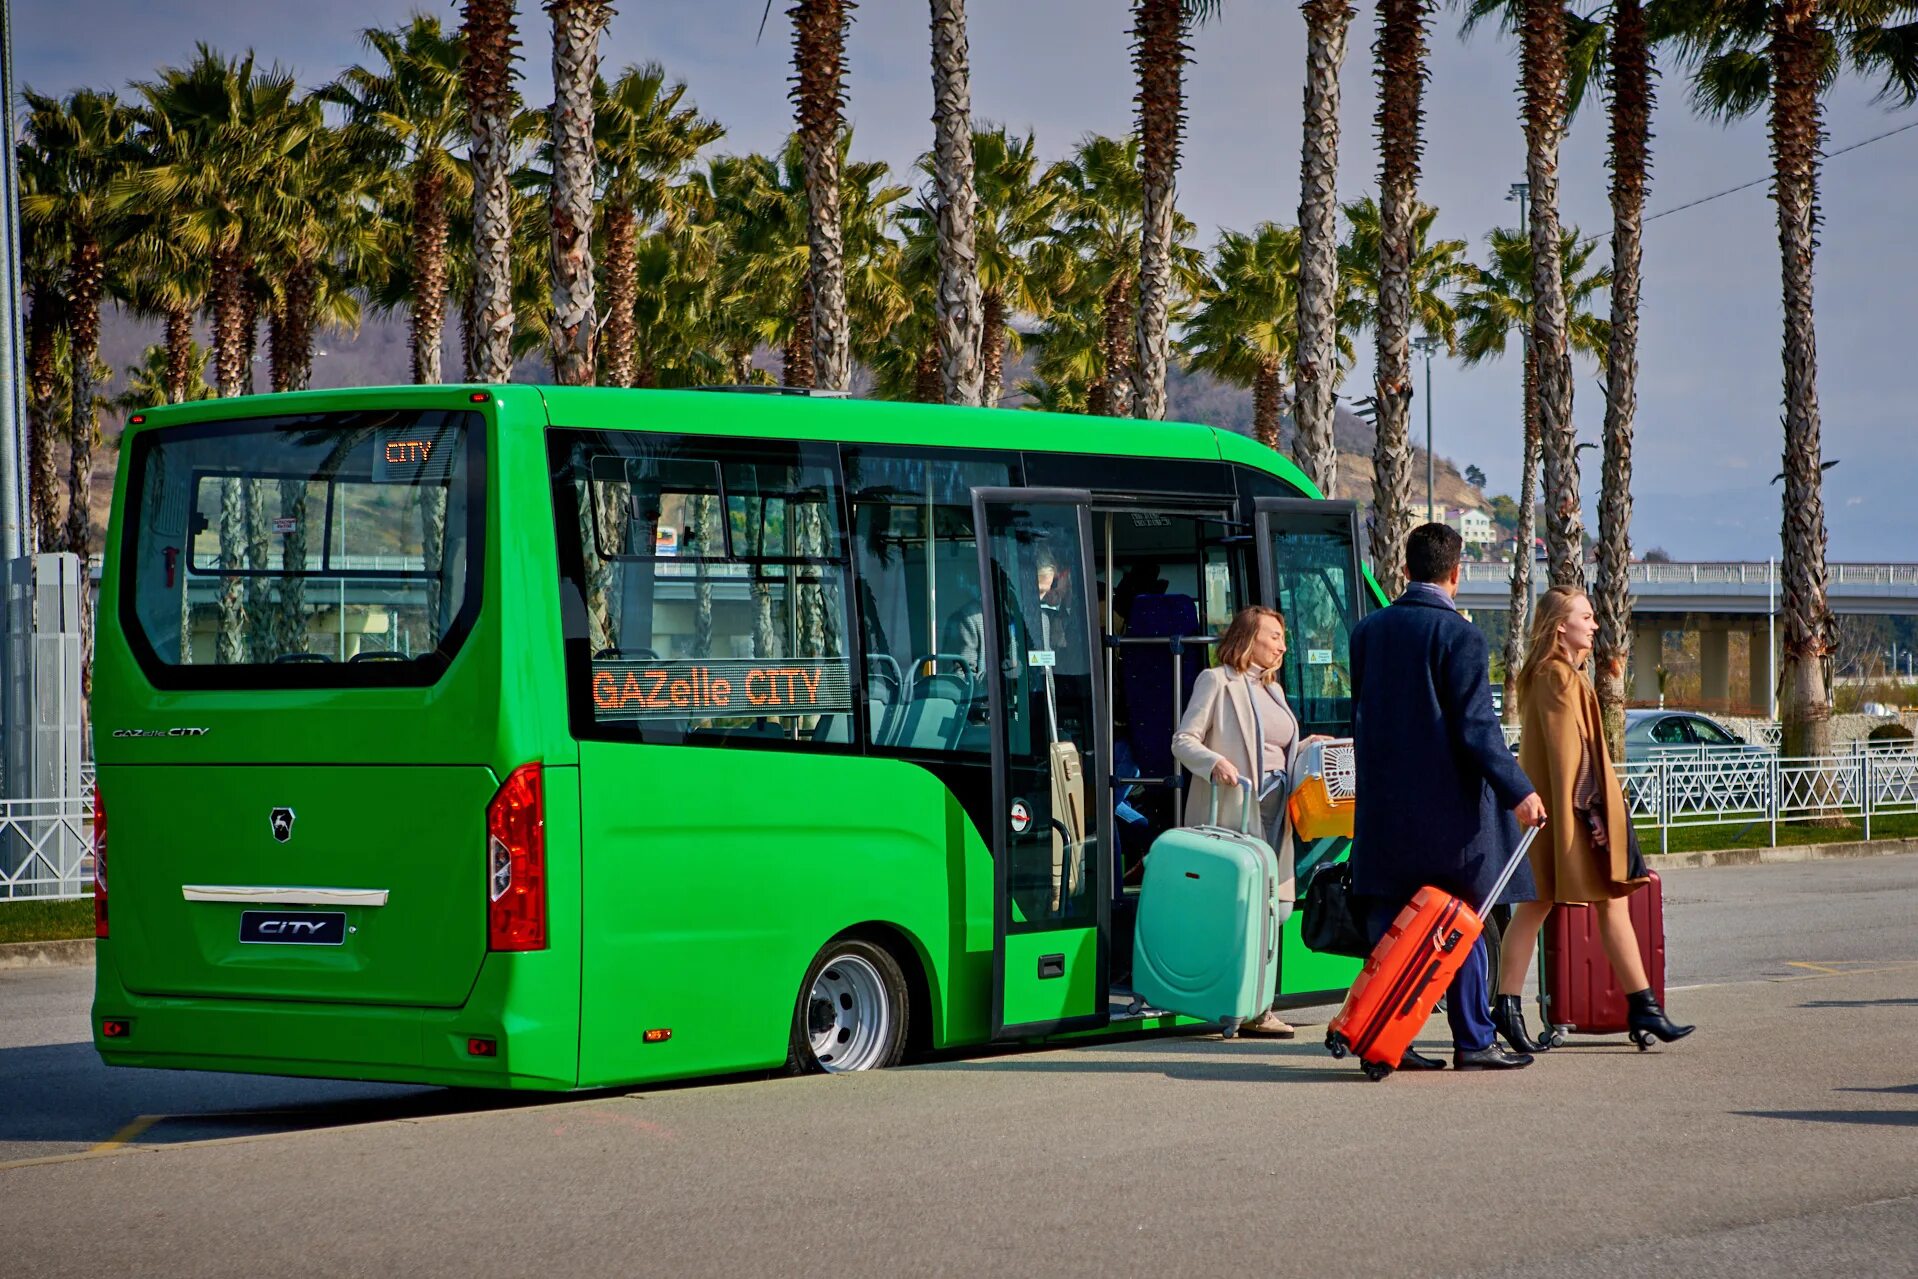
x=1148, y=675
x=936, y=712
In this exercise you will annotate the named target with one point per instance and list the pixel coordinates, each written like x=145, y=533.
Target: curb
x=1781, y=856
x=46, y=954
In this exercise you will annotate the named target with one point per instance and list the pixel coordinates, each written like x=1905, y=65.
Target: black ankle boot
x=1508, y=1014
x=1647, y=1021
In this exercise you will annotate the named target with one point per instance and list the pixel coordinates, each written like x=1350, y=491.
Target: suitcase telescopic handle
x=1245, y=810
x=1511, y=869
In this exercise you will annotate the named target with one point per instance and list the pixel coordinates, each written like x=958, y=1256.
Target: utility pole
x=15, y=505
x=1426, y=344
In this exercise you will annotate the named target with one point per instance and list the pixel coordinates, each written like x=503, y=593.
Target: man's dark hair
x=1431, y=552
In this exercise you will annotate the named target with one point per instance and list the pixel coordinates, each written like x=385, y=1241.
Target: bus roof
x=791, y=416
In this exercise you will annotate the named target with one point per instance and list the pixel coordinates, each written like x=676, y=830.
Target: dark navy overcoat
x=1436, y=781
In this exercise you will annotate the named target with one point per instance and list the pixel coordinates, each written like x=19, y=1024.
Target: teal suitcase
x=1207, y=939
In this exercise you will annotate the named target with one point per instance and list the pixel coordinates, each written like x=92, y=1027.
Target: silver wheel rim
x=848, y=1015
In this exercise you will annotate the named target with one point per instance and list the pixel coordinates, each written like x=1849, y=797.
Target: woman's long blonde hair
x=1235, y=646
x=1553, y=608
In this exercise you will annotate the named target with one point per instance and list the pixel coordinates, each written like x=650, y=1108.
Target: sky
x=1708, y=426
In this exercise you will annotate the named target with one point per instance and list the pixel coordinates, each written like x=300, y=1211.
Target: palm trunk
x=249, y=334
x=622, y=288
x=1313, y=410
x=229, y=320
x=819, y=59
x=1543, y=60
x=1401, y=69
x=260, y=622
x=180, y=373
x=1518, y=633
x=796, y=365
x=231, y=647
x=429, y=274
x=86, y=279
x=741, y=363
x=928, y=377
x=469, y=336
x=43, y=415
x=993, y=351
x=1631, y=94
x=576, y=29
x=289, y=618
x=1117, y=350
x=1266, y=408
x=290, y=330
x=1159, y=56
x=487, y=71
x=958, y=305
x=1796, y=132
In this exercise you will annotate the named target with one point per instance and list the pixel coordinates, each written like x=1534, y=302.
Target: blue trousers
x=1468, y=997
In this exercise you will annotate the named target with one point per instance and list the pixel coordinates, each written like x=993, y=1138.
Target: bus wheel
x=852, y=1011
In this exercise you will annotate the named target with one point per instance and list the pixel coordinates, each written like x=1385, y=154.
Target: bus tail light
x=516, y=863
x=99, y=864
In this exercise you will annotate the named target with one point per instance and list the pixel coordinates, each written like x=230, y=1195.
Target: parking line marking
x=127, y=1134
x=1817, y=968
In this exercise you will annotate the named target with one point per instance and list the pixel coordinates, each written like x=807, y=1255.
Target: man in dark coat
x=1435, y=777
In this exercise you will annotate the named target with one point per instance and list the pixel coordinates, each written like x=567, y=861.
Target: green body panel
x=699, y=914
x=1037, y=1003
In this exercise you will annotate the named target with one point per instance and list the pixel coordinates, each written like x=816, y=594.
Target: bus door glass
x=1309, y=566
x=1045, y=708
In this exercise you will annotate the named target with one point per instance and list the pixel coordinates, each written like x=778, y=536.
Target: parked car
x=1649, y=732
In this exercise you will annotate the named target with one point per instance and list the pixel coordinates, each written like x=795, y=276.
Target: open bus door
x=1050, y=806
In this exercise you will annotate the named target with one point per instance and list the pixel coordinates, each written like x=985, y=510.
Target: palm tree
x=1016, y=210
x=1101, y=217
x=1400, y=52
x=1319, y=291
x=487, y=80
x=83, y=141
x=1069, y=368
x=315, y=254
x=222, y=143
x=959, y=304
x=577, y=25
x=819, y=65
x=1781, y=55
x=404, y=117
x=1438, y=269
x=1245, y=328
x=150, y=382
x=647, y=141
x=43, y=269
x=1159, y=50
x=1494, y=305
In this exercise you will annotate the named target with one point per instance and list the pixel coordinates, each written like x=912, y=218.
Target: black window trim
x=422, y=671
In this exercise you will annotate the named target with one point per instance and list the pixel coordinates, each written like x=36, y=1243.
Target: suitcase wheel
x=1135, y=1008
x=1336, y=1045
x=1643, y=1038
x=1375, y=1070
x=1553, y=1036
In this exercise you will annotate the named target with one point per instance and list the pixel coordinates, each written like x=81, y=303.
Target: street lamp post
x=1426, y=344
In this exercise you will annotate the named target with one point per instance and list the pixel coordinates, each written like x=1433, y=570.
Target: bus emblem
x=282, y=824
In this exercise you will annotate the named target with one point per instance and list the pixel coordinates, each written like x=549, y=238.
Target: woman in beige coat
x=1238, y=725
x=1584, y=857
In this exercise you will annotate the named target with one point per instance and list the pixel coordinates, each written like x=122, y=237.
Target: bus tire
x=853, y=1011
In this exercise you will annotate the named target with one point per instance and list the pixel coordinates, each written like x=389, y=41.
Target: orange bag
x=1325, y=795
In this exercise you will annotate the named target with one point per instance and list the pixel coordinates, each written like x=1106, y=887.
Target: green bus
x=556, y=738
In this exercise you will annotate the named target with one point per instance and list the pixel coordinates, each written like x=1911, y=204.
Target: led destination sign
x=703, y=688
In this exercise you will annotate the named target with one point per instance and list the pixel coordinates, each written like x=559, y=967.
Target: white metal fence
x=46, y=848
x=1676, y=790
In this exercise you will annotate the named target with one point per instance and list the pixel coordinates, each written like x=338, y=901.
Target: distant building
x=1473, y=525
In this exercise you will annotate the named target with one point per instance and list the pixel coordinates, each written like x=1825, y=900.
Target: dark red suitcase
x=1580, y=994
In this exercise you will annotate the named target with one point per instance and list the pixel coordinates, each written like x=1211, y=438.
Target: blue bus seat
x=1148, y=676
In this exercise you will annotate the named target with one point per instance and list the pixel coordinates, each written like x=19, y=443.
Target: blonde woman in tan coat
x=1584, y=856
x=1238, y=725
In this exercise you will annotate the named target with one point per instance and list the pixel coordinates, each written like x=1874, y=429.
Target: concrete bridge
x=1721, y=601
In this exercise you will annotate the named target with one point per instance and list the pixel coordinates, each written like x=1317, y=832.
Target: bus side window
x=713, y=574
x=919, y=606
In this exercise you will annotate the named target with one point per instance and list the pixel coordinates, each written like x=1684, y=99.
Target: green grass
x=1698, y=839
x=32, y=920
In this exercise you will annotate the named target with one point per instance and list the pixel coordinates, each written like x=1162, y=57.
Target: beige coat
x=1560, y=724
x=1219, y=724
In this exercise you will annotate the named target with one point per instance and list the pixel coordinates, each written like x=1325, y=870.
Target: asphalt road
x=1776, y=1141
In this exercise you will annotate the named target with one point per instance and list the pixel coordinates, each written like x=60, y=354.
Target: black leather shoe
x=1508, y=1014
x=1493, y=1058
x=1415, y=1060
x=1647, y=1021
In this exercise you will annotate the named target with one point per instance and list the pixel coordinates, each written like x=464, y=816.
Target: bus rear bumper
x=362, y=1042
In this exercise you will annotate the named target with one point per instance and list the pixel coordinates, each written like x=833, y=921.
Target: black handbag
x=1329, y=924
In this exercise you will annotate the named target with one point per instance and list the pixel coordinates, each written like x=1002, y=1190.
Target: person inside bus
x=1435, y=778
x=1238, y=725
x=1588, y=858
x=963, y=637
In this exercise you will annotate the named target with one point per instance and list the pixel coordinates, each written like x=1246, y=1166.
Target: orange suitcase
x=1408, y=971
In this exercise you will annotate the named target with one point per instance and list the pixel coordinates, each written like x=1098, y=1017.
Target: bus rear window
x=321, y=550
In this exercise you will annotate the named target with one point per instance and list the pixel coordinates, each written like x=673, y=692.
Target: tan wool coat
x=1219, y=724
x=1560, y=723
